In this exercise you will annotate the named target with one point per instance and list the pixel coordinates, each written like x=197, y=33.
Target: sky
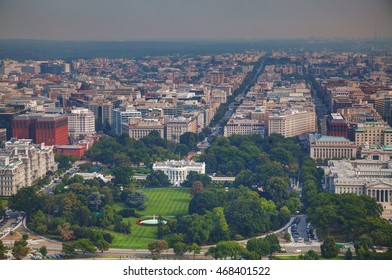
x=193, y=19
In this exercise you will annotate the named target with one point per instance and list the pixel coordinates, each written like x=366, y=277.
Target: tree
x=65, y=161
x=348, y=255
x=84, y=167
x=43, y=250
x=197, y=186
x=122, y=174
x=20, y=250
x=287, y=237
x=180, y=248
x=274, y=242
x=245, y=216
x=137, y=200
x=225, y=249
x=195, y=249
x=190, y=140
x=68, y=248
x=65, y=231
x=3, y=251
x=277, y=190
x=309, y=255
x=122, y=226
x=25, y=200
x=194, y=176
x=2, y=209
x=157, y=247
x=96, y=200
x=102, y=245
x=214, y=252
x=328, y=248
x=85, y=245
x=25, y=236
x=39, y=222
x=157, y=179
x=207, y=200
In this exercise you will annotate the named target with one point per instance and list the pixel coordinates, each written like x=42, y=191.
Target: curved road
x=54, y=246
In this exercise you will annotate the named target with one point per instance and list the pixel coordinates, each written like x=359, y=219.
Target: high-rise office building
x=81, y=121
x=50, y=129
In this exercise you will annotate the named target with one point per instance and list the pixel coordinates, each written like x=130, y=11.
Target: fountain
x=150, y=222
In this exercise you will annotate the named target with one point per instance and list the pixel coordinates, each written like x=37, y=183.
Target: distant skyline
x=193, y=20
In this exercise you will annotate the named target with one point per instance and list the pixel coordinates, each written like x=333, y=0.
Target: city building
x=337, y=125
x=292, y=123
x=3, y=136
x=368, y=177
x=329, y=147
x=7, y=114
x=373, y=133
x=71, y=150
x=121, y=115
x=177, y=171
x=244, y=126
x=216, y=78
x=81, y=121
x=175, y=127
x=22, y=164
x=51, y=129
x=140, y=127
x=102, y=111
x=381, y=153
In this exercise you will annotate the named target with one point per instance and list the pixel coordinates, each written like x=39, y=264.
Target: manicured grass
x=166, y=202
x=139, y=238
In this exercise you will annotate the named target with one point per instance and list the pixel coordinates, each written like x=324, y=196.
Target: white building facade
x=81, y=121
x=368, y=177
x=22, y=164
x=177, y=171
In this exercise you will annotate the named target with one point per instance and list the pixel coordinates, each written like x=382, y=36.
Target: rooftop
x=332, y=139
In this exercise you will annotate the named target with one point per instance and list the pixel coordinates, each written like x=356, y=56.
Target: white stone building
x=175, y=127
x=138, y=128
x=243, y=126
x=323, y=147
x=177, y=171
x=369, y=177
x=22, y=163
x=81, y=121
x=292, y=123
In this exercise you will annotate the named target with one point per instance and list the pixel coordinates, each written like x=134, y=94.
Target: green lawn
x=167, y=201
x=161, y=201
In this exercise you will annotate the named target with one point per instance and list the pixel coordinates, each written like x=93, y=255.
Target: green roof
x=360, y=130
x=388, y=130
x=332, y=139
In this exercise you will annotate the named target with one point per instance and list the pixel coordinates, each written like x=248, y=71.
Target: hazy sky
x=193, y=19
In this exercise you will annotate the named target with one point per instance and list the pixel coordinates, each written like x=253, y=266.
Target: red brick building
x=51, y=129
x=337, y=125
x=71, y=150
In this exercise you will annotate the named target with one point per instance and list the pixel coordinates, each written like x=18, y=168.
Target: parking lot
x=301, y=231
x=10, y=222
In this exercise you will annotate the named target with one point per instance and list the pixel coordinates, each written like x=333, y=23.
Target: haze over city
x=193, y=20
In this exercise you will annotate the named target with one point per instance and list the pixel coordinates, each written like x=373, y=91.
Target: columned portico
x=177, y=171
